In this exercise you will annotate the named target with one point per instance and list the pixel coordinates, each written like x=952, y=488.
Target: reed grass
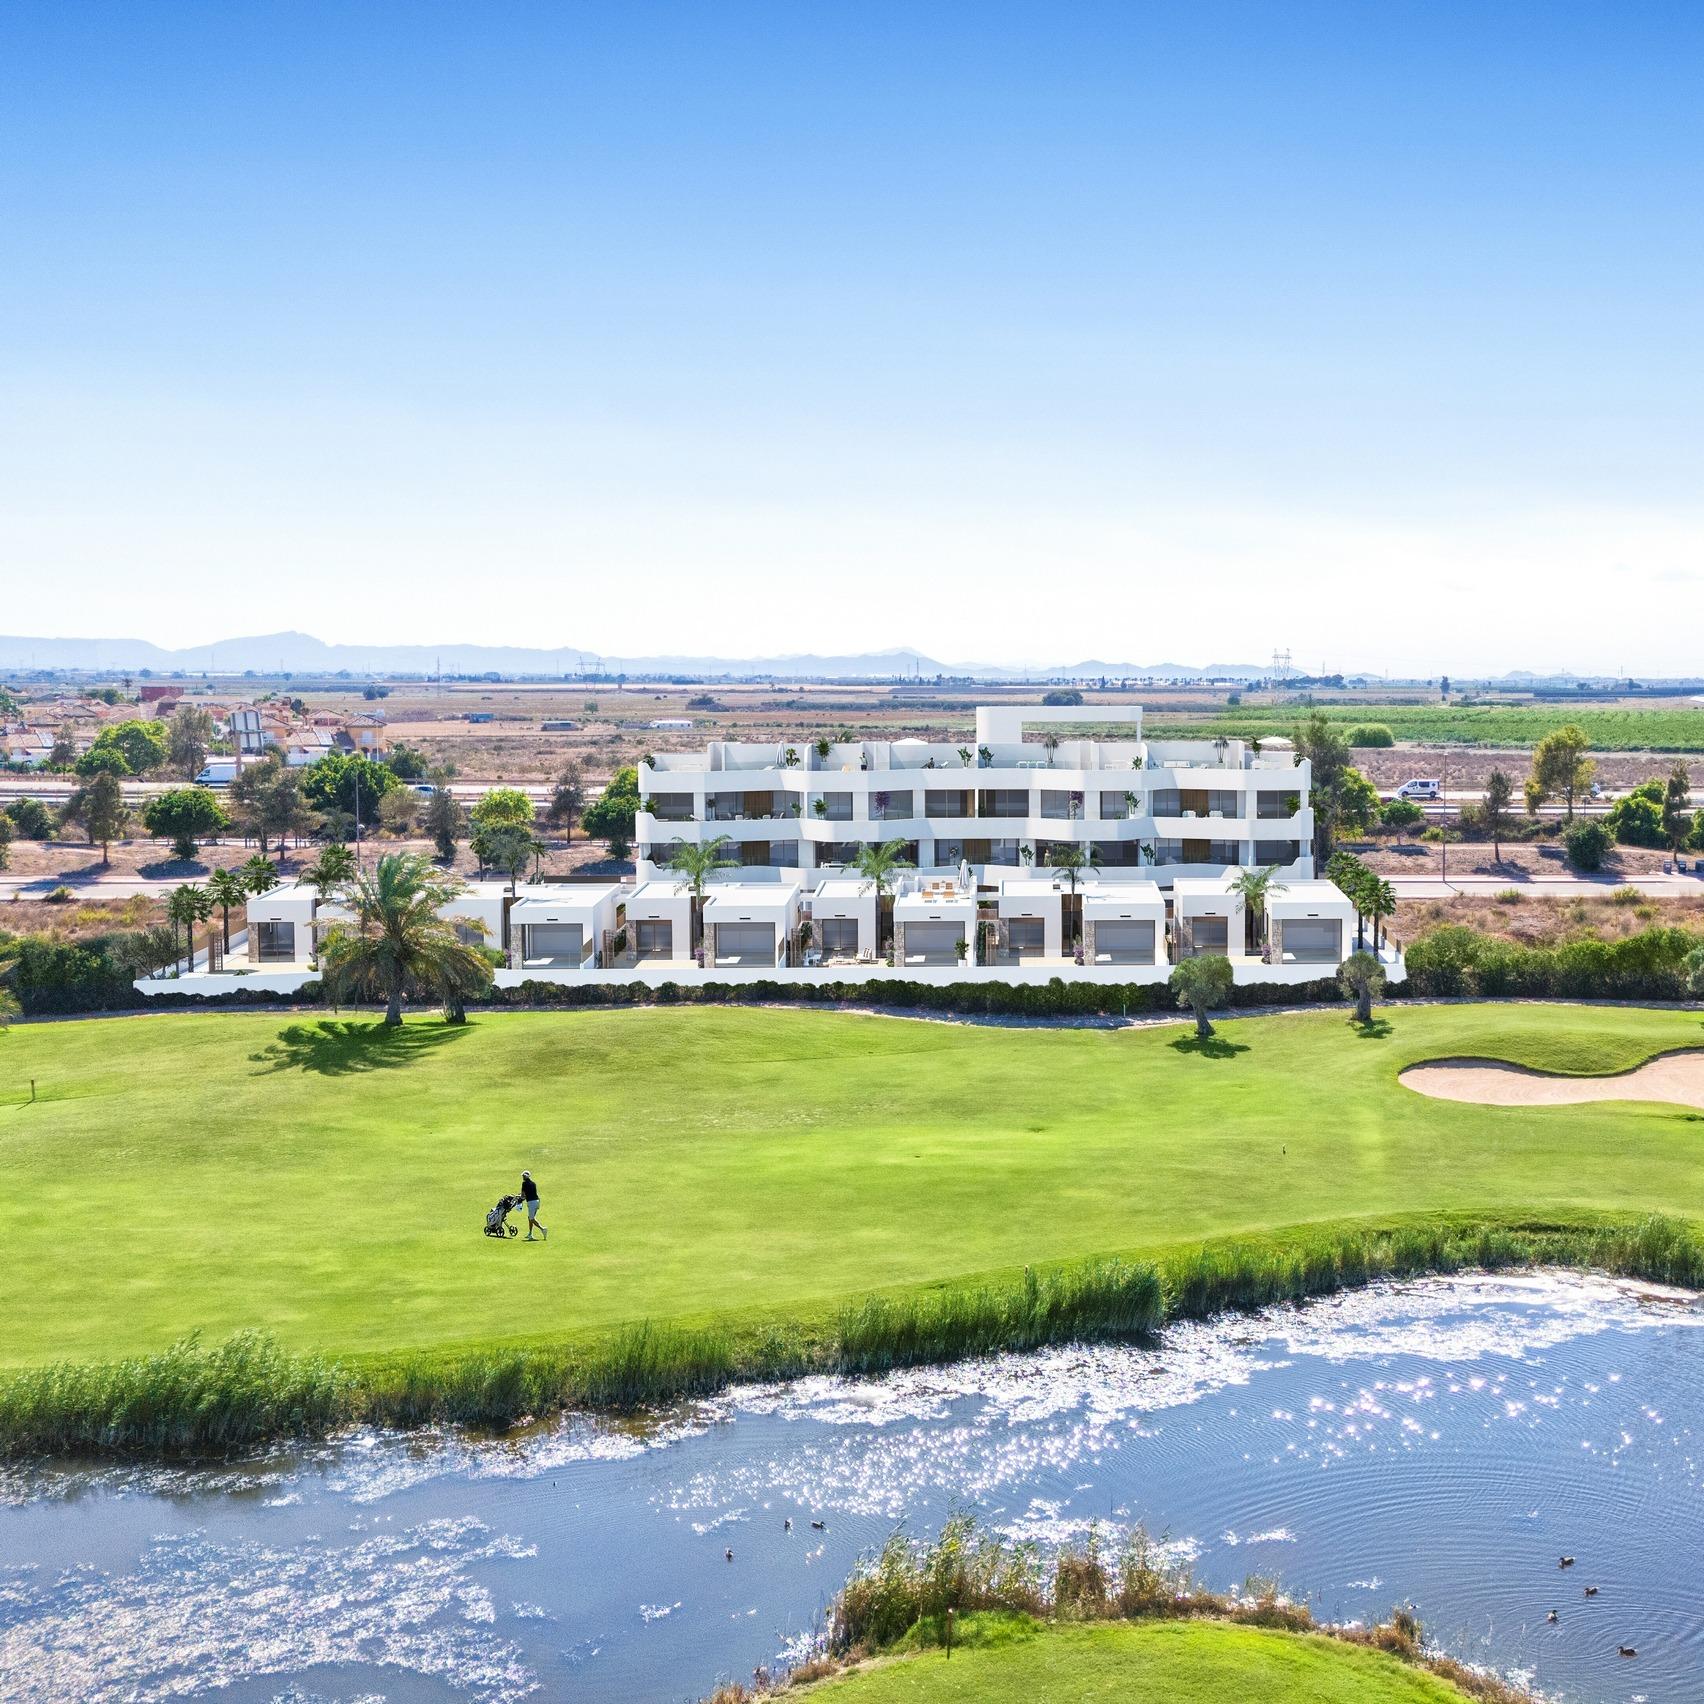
x=898, y=1600
x=249, y=1391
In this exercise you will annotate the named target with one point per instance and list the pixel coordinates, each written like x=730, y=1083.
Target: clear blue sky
x=1010, y=332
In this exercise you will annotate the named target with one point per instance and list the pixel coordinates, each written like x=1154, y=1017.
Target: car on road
x=1420, y=790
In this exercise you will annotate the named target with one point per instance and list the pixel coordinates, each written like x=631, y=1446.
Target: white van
x=220, y=772
x=1420, y=790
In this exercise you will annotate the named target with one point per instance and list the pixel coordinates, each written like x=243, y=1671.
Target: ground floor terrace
x=1091, y=925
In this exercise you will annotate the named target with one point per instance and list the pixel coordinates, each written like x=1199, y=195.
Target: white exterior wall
x=712, y=784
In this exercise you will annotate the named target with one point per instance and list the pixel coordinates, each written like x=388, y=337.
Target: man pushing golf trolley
x=497, y=1220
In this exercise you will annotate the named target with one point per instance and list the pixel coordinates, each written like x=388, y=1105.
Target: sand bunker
x=1676, y=1077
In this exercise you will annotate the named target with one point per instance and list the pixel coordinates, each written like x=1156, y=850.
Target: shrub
x=1626, y=894
x=1400, y=814
x=31, y=818
x=1509, y=896
x=1457, y=960
x=1371, y=734
x=1637, y=820
x=1587, y=844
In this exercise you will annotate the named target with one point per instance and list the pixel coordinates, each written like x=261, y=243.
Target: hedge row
x=96, y=976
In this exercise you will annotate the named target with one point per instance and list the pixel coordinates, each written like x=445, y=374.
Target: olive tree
x=1201, y=984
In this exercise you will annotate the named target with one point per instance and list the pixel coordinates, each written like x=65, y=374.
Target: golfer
x=529, y=1194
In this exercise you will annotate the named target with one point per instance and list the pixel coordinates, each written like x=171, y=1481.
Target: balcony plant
x=790, y=757
x=985, y=757
x=964, y=756
x=823, y=748
x=1050, y=744
x=820, y=806
x=794, y=807
x=962, y=948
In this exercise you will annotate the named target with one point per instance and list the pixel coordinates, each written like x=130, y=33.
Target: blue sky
x=1008, y=332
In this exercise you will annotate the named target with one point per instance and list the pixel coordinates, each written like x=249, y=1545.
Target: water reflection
x=1440, y=1443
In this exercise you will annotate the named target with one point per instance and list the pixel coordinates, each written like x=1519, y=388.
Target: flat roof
x=1201, y=887
x=845, y=887
x=1315, y=893
x=751, y=896
x=1122, y=897
x=536, y=907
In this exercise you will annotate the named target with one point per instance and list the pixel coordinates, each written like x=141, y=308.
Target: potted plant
x=1050, y=744
x=962, y=948
x=794, y=807
x=823, y=748
x=964, y=756
x=1134, y=801
x=790, y=757
x=648, y=759
x=1026, y=853
x=985, y=756
x=820, y=806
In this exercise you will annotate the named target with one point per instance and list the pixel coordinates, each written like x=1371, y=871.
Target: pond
x=1439, y=1443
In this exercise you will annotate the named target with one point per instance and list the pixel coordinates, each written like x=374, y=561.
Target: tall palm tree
x=1380, y=901
x=1072, y=860
x=331, y=869
x=694, y=865
x=260, y=876
x=226, y=888
x=1254, y=886
x=186, y=907
x=397, y=942
x=879, y=866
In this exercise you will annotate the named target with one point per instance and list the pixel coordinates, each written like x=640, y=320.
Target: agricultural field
x=327, y=1180
x=1670, y=727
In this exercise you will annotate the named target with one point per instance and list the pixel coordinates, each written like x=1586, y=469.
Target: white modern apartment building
x=1168, y=825
x=988, y=808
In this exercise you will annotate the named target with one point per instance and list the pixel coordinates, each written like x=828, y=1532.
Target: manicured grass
x=1014, y=1661
x=326, y=1181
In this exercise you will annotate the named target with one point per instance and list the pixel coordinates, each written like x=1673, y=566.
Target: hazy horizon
x=1372, y=334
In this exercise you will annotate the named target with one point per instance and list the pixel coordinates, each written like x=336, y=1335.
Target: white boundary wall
x=1248, y=972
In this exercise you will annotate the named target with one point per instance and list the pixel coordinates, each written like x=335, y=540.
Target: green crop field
x=327, y=1180
x=1508, y=726
x=1151, y=1662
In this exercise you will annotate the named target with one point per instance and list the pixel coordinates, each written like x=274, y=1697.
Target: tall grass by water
x=900, y=1598
x=231, y=1397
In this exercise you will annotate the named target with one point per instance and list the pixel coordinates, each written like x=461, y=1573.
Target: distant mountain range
x=301, y=653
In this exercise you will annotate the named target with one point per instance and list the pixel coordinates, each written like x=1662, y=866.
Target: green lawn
x=327, y=1180
x=1167, y=1662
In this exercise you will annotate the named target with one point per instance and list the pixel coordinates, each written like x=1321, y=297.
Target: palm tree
x=226, y=888
x=1380, y=900
x=879, y=865
x=1254, y=887
x=331, y=869
x=1072, y=861
x=397, y=940
x=694, y=865
x=259, y=875
x=1363, y=977
x=186, y=907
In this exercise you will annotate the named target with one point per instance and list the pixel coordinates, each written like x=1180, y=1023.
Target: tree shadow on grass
x=1209, y=1047
x=1378, y=1030
x=347, y=1047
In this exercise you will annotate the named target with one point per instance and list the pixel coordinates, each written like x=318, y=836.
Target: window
x=670, y=807
x=1276, y=805
x=1027, y=937
x=890, y=807
x=1005, y=802
x=1122, y=854
x=836, y=807
x=277, y=940
x=1115, y=807
x=470, y=934
x=839, y=934
x=937, y=803
x=654, y=939
x=1276, y=851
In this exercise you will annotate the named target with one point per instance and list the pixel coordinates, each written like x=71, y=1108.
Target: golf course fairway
x=327, y=1180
